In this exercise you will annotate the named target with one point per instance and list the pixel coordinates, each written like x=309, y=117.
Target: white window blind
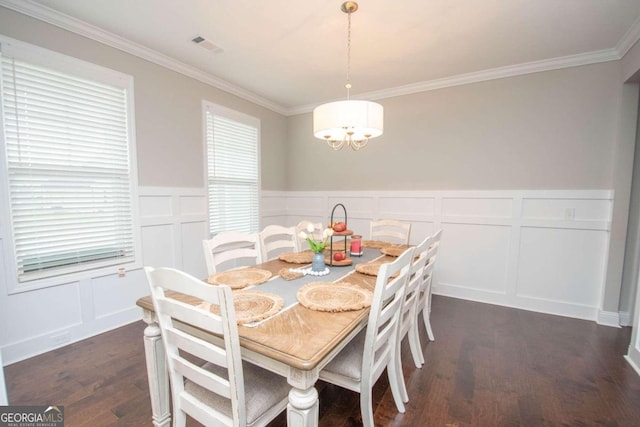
x=68, y=168
x=233, y=172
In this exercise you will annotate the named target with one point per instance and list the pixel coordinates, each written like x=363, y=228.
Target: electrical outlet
x=122, y=272
x=570, y=214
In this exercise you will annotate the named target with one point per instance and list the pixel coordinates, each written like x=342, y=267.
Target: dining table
x=296, y=342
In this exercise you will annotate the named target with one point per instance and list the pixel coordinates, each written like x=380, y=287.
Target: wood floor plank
x=489, y=366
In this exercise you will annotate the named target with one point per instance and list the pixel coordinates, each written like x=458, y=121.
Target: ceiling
x=292, y=56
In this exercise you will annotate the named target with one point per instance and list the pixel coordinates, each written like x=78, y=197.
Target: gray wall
x=168, y=109
x=550, y=130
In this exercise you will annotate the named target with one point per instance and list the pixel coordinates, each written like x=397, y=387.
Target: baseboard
x=18, y=351
x=625, y=319
x=539, y=305
x=634, y=360
x=608, y=318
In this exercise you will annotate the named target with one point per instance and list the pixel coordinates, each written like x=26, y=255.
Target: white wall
x=173, y=222
x=537, y=250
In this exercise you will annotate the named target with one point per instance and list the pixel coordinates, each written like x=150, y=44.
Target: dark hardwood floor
x=489, y=366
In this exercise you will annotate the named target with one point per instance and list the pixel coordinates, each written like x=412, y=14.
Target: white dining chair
x=303, y=226
x=359, y=365
x=424, y=297
x=230, y=249
x=408, y=316
x=222, y=390
x=276, y=239
x=390, y=230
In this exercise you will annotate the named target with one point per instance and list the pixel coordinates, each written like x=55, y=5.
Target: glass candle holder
x=356, y=245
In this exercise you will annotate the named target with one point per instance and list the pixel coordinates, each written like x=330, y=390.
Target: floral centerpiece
x=317, y=245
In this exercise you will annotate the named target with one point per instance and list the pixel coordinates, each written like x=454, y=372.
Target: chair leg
x=427, y=323
x=401, y=384
x=394, y=381
x=179, y=418
x=415, y=346
x=366, y=407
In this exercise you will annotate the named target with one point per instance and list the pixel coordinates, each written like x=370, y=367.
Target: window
x=232, y=141
x=66, y=139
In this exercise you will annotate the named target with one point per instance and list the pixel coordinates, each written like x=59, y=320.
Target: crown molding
x=53, y=17
x=481, y=76
x=629, y=39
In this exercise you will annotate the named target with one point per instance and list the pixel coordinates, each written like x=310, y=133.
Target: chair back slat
x=276, y=239
x=185, y=313
x=215, y=383
x=390, y=230
x=227, y=246
x=214, y=418
x=198, y=347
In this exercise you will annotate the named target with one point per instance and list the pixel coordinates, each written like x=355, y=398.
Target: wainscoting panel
x=358, y=206
x=157, y=245
x=192, y=234
x=56, y=308
x=561, y=265
x=477, y=207
x=474, y=257
x=537, y=250
x=173, y=222
x=109, y=292
x=416, y=208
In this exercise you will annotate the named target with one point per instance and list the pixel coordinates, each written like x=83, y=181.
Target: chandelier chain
x=348, y=85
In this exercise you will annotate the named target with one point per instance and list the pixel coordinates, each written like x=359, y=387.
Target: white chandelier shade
x=348, y=120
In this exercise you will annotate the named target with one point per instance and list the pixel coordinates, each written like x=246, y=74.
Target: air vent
x=206, y=44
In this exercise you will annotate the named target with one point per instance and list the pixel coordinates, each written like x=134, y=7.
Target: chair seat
x=264, y=391
x=348, y=363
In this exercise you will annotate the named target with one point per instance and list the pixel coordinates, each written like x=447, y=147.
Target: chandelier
x=348, y=123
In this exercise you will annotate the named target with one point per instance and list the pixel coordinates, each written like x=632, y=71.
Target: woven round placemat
x=369, y=268
x=304, y=257
x=251, y=306
x=333, y=297
x=374, y=244
x=288, y=274
x=394, y=250
x=238, y=279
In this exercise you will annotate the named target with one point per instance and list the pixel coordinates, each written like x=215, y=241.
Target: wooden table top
x=300, y=337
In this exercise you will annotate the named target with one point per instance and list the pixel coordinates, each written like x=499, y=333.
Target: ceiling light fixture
x=348, y=122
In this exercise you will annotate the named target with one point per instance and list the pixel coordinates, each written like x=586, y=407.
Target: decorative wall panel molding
x=541, y=250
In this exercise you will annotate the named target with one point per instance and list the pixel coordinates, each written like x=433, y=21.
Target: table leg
x=302, y=410
x=157, y=372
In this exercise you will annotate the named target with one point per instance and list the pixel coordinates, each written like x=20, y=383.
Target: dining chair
x=390, y=230
x=359, y=365
x=275, y=239
x=424, y=297
x=408, y=317
x=302, y=226
x=229, y=249
x=210, y=382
